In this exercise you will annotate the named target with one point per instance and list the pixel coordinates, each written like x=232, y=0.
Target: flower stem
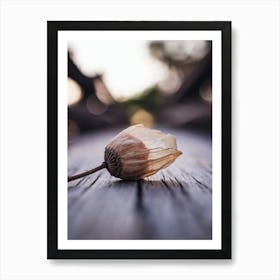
x=103, y=165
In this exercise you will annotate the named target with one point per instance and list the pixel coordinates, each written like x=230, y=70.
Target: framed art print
x=139, y=140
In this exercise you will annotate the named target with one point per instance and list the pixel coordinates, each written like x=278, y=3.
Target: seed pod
x=138, y=152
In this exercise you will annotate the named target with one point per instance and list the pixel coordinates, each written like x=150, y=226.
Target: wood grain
x=175, y=203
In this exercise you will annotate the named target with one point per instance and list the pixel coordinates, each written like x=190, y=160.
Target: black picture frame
x=52, y=198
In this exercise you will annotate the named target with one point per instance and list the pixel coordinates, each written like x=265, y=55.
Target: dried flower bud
x=139, y=152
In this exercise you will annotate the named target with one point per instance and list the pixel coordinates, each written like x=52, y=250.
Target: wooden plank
x=175, y=203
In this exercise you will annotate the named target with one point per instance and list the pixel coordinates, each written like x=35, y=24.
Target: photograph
x=139, y=142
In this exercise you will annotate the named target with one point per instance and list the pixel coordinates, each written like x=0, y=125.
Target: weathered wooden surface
x=175, y=203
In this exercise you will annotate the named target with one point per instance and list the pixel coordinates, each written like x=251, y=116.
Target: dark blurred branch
x=97, y=108
x=86, y=83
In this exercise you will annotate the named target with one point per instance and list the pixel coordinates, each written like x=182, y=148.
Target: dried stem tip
x=101, y=166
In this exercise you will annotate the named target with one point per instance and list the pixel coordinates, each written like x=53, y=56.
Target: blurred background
x=157, y=83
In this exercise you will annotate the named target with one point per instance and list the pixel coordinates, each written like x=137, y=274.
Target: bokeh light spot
x=74, y=92
x=142, y=116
